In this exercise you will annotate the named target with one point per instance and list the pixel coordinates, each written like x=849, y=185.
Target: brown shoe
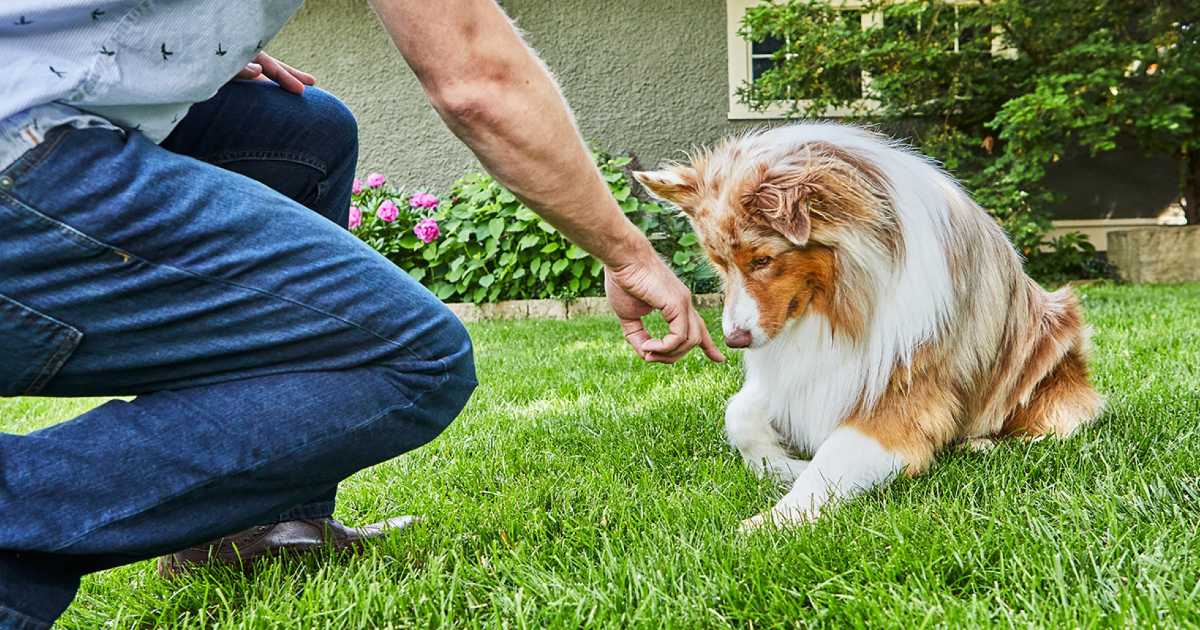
x=240, y=550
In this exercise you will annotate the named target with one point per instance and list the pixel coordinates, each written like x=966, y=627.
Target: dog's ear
x=676, y=184
x=817, y=181
x=779, y=195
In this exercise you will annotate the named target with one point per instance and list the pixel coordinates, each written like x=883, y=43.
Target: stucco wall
x=645, y=76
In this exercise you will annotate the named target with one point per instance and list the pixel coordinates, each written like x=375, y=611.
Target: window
x=747, y=61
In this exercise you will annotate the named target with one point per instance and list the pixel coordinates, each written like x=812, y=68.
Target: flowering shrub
x=481, y=244
x=392, y=222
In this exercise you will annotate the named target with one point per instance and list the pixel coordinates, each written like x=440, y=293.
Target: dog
x=884, y=315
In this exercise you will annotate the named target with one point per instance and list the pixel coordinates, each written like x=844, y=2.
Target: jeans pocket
x=33, y=348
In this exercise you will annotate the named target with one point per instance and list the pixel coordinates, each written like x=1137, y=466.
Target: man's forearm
x=496, y=96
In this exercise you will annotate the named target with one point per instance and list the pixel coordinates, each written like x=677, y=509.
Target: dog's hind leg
x=1062, y=402
x=748, y=428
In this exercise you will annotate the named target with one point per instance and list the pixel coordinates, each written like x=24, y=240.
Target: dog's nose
x=739, y=338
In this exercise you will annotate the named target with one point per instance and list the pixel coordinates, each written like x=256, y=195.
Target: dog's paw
x=753, y=523
x=783, y=470
x=978, y=445
x=779, y=518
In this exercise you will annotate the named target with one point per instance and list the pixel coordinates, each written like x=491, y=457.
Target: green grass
x=583, y=488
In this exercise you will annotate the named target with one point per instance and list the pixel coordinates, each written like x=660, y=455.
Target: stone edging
x=552, y=309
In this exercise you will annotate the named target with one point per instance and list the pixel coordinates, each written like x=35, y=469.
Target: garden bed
x=552, y=309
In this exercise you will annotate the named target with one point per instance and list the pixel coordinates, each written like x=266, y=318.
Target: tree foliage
x=998, y=90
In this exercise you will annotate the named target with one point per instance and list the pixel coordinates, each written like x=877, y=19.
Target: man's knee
x=458, y=357
x=335, y=122
x=439, y=362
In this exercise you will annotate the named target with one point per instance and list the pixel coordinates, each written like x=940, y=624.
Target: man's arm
x=497, y=97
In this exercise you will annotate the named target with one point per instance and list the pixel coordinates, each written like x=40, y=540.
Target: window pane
x=760, y=65
x=766, y=47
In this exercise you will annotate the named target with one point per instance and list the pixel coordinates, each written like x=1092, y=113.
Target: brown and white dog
x=884, y=313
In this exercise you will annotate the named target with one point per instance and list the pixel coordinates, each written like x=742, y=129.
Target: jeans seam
x=25, y=620
x=254, y=466
x=94, y=242
x=54, y=362
x=63, y=347
x=263, y=154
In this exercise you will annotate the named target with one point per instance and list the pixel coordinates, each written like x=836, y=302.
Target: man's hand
x=265, y=67
x=634, y=290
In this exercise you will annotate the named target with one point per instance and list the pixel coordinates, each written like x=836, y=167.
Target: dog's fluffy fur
x=886, y=314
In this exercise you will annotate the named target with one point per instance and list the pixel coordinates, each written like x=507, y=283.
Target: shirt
x=131, y=64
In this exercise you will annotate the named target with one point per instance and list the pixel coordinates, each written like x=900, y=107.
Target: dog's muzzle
x=739, y=338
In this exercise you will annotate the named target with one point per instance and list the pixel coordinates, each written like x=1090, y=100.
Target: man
x=172, y=235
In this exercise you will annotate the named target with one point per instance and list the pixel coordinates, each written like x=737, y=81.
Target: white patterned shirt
x=133, y=64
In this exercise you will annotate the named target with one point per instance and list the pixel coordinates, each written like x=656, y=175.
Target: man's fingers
x=678, y=324
x=277, y=73
x=302, y=76
x=690, y=339
x=250, y=72
x=707, y=344
x=636, y=335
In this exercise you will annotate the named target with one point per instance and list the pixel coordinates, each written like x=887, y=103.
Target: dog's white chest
x=811, y=383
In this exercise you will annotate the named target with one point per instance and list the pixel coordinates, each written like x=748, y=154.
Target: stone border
x=552, y=309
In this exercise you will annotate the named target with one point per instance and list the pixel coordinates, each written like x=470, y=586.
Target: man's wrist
x=631, y=248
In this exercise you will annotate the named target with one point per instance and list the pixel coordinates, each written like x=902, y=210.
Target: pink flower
x=387, y=211
x=427, y=230
x=423, y=200
x=356, y=187
x=375, y=180
x=355, y=217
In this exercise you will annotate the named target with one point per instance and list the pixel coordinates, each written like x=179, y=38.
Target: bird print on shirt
x=106, y=52
x=220, y=51
x=166, y=54
x=22, y=22
x=58, y=73
x=97, y=14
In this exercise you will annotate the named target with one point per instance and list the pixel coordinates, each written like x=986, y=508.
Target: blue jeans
x=271, y=353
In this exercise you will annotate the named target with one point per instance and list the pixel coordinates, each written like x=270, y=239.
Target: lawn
x=583, y=488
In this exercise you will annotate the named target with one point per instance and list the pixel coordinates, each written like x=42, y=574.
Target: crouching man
x=176, y=236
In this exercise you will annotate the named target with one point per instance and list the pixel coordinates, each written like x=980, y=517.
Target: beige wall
x=643, y=76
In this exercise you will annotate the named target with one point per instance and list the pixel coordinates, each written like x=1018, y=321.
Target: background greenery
x=997, y=91
x=597, y=491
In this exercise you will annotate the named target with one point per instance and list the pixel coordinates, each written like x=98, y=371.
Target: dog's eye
x=760, y=263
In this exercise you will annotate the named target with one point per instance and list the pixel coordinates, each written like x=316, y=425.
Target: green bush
x=491, y=247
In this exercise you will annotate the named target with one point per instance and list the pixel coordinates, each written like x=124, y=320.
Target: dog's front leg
x=748, y=428
x=847, y=463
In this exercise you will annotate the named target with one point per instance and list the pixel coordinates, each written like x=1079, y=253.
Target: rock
x=465, y=311
x=1163, y=254
x=546, y=309
x=582, y=307
x=513, y=309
